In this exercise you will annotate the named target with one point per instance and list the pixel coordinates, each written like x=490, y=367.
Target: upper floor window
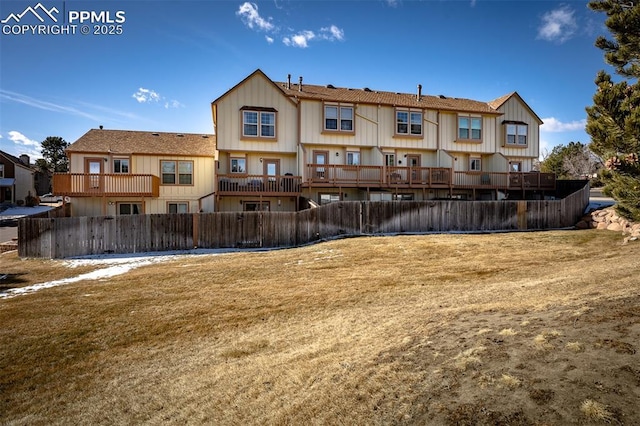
x=1, y=170
x=517, y=134
x=470, y=128
x=177, y=172
x=121, y=165
x=238, y=165
x=408, y=123
x=338, y=118
x=259, y=123
x=353, y=158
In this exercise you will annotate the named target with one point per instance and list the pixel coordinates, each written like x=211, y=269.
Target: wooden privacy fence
x=78, y=236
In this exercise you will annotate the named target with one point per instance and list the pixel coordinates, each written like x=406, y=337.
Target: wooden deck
x=105, y=185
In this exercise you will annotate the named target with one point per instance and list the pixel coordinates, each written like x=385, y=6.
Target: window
x=329, y=198
x=475, y=164
x=178, y=207
x=517, y=134
x=515, y=166
x=389, y=159
x=238, y=165
x=338, y=118
x=403, y=197
x=470, y=128
x=255, y=206
x=259, y=124
x=177, y=172
x=353, y=158
x=1, y=170
x=121, y=165
x=409, y=123
x=129, y=208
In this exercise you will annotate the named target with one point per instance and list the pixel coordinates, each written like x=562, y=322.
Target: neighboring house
x=283, y=146
x=16, y=178
x=118, y=172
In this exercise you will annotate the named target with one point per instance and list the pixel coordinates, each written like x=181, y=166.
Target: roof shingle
x=151, y=143
x=367, y=96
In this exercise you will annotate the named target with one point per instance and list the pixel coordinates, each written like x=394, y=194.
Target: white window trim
x=471, y=162
x=259, y=124
x=113, y=163
x=470, y=128
x=339, y=118
x=409, y=133
x=516, y=135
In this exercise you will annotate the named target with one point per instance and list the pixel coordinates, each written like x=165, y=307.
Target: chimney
x=289, y=81
x=24, y=158
x=419, y=91
x=300, y=84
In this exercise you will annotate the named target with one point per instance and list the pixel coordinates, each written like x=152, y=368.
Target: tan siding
x=258, y=92
x=514, y=110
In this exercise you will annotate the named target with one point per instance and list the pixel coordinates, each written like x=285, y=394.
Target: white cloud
x=24, y=145
x=299, y=40
x=248, y=12
x=558, y=25
x=332, y=33
x=553, y=125
x=20, y=139
x=269, y=39
x=146, y=95
x=47, y=106
x=173, y=104
x=392, y=3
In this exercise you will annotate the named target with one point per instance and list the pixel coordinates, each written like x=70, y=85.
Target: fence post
x=522, y=214
x=196, y=229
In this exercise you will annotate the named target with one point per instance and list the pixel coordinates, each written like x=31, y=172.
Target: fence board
x=77, y=236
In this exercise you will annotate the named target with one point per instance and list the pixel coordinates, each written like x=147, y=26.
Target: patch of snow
x=116, y=264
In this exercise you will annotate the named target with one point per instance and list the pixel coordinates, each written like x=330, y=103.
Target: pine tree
x=613, y=122
x=53, y=151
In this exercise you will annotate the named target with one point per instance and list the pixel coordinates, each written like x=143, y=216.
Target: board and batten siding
x=449, y=135
x=514, y=110
x=256, y=92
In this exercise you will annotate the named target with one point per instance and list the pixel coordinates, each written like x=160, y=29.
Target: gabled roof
x=330, y=93
x=128, y=142
x=15, y=160
x=250, y=76
x=497, y=103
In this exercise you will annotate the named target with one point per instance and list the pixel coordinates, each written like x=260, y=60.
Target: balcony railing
x=286, y=185
x=108, y=185
x=507, y=180
x=374, y=176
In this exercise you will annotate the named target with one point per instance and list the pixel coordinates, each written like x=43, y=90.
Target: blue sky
x=173, y=58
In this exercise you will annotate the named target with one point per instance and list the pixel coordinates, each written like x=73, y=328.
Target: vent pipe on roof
x=300, y=84
x=419, y=91
x=101, y=127
x=289, y=81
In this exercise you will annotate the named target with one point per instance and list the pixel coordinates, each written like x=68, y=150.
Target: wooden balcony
x=504, y=181
x=332, y=175
x=105, y=185
x=377, y=176
x=266, y=185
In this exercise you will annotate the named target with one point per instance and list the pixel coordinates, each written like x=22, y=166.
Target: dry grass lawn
x=504, y=329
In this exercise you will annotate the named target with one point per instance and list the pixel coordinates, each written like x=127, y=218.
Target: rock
x=583, y=225
x=614, y=226
x=602, y=225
